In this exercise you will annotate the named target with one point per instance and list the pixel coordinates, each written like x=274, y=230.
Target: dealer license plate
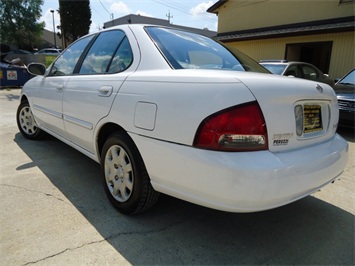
x=312, y=120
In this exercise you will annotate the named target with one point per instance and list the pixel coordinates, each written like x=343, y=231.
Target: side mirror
x=36, y=69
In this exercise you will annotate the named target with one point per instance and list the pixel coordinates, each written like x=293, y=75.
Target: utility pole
x=169, y=16
x=55, y=39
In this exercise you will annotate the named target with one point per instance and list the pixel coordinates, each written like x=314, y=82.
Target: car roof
x=142, y=25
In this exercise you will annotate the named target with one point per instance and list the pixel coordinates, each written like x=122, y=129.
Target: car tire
x=124, y=176
x=26, y=122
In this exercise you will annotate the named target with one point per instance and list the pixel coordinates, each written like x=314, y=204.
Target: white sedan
x=168, y=111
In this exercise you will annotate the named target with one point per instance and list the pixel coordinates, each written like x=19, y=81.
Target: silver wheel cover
x=27, y=122
x=119, y=173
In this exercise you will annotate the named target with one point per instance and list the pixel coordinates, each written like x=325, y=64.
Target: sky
x=190, y=13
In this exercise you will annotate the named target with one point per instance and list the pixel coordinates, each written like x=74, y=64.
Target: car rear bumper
x=241, y=181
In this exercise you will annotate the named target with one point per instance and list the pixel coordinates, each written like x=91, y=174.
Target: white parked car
x=164, y=110
x=49, y=51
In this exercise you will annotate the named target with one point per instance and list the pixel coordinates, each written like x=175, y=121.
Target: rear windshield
x=186, y=50
x=349, y=79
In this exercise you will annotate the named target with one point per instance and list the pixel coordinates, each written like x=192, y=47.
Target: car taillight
x=240, y=128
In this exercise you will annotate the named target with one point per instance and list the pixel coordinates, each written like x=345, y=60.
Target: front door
x=49, y=91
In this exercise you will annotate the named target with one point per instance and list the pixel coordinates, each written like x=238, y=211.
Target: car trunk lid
x=297, y=112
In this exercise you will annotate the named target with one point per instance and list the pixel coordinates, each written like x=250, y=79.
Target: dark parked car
x=297, y=69
x=345, y=91
x=19, y=51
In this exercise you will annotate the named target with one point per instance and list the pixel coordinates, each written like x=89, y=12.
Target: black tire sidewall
x=139, y=172
x=38, y=133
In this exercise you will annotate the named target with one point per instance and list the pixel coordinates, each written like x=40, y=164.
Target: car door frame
x=47, y=96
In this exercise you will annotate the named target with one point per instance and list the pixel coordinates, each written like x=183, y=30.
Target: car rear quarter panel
x=182, y=99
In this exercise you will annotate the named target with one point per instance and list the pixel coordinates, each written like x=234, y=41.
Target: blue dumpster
x=12, y=75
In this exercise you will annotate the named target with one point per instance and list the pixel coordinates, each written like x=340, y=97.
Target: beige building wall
x=236, y=15
x=239, y=15
x=342, y=56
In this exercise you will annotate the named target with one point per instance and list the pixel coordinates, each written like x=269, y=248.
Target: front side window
x=66, y=62
x=186, y=50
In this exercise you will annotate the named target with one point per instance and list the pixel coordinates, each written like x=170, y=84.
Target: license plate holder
x=312, y=119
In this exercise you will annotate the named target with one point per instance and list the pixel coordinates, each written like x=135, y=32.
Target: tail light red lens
x=240, y=128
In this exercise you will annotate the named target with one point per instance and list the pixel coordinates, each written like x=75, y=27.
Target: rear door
x=89, y=94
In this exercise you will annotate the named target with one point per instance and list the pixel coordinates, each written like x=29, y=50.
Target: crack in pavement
x=113, y=236
x=35, y=191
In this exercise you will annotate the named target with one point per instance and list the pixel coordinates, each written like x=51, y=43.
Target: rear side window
x=99, y=57
x=122, y=59
x=66, y=62
x=309, y=72
x=293, y=70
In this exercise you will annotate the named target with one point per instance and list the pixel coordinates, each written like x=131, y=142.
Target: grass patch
x=49, y=59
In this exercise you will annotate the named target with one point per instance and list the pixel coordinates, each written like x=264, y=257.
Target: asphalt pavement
x=53, y=211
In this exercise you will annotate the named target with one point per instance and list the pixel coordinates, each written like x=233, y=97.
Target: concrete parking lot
x=53, y=211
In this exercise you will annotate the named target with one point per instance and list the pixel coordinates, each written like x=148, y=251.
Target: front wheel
x=125, y=178
x=26, y=122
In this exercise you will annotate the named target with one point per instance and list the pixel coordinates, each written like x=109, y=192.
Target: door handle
x=105, y=91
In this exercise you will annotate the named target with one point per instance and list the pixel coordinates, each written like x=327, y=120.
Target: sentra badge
x=281, y=139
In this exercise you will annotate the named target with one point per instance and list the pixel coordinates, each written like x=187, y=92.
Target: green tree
x=75, y=18
x=19, y=22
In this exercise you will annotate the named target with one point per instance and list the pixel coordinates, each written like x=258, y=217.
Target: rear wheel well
x=106, y=131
